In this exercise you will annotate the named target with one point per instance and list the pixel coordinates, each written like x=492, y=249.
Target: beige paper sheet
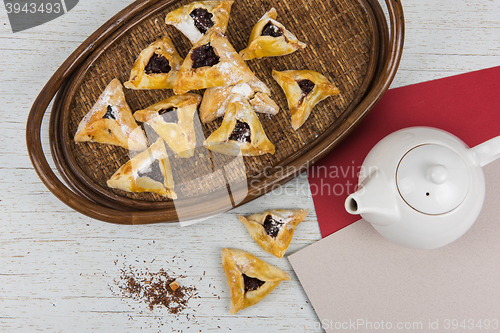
x=359, y=282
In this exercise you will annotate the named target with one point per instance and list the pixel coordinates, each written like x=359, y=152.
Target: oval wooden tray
x=348, y=42
x=85, y=161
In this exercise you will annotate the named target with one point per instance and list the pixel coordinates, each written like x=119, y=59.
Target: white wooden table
x=58, y=266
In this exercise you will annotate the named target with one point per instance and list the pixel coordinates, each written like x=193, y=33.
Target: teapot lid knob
x=438, y=174
x=432, y=179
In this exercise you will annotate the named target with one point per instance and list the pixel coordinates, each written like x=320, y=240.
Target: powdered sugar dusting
x=258, y=85
x=243, y=89
x=286, y=215
x=103, y=101
x=225, y=68
x=244, y=107
x=243, y=93
x=106, y=96
x=188, y=28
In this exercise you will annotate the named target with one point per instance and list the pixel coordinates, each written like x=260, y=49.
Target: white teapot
x=422, y=187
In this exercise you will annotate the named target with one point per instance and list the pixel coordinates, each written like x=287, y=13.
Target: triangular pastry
x=212, y=62
x=273, y=229
x=111, y=121
x=249, y=278
x=269, y=38
x=303, y=89
x=156, y=67
x=148, y=171
x=172, y=120
x=196, y=18
x=216, y=100
x=240, y=133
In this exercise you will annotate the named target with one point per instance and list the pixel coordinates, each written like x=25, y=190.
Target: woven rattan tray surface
x=340, y=44
x=347, y=42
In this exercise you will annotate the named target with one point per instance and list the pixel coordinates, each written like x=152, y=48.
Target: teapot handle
x=487, y=152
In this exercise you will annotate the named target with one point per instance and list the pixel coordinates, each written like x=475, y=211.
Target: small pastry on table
x=250, y=279
x=273, y=229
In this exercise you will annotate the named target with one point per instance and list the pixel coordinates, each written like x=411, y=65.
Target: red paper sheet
x=466, y=105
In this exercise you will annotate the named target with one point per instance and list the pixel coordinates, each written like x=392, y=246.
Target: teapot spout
x=374, y=201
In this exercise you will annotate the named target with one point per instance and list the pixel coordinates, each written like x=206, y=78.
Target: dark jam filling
x=271, y=30
x=241, y=132
x=109, y=113
x=153, y=171
x=306, y=86
x=157, y=64
x=203, y=56
x=168, y=115
x=202, y=19
x=251, y=283
x=272, y=226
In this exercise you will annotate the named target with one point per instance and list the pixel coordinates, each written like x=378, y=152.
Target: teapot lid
x=432, y=179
